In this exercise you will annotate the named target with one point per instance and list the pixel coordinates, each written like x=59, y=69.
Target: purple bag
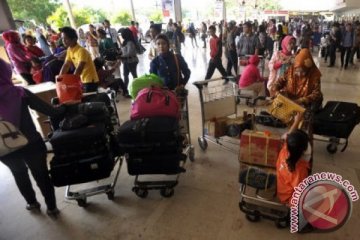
x=155, y=102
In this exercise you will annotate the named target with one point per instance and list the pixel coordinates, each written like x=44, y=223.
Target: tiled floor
x=205, y=204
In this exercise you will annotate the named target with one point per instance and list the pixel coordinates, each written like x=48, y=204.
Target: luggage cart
x=166, y=187
x=256, y=203
x=217, y=100
x=109, y=189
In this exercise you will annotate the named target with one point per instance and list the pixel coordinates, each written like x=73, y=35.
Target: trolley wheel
x=192, y=154
x=141, y=192
x=111, y=195
x=331, y=148
x=281, y=223
x=82, y=202
x=202, y=143
x=167, y=192
x=253, y=217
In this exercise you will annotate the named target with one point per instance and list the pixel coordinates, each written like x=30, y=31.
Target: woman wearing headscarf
x=301, y=81
x=44, y=45
x=18, y=55
x=14, y=108
x=281, y=60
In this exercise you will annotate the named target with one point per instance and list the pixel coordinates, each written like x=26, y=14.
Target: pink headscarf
x=12, y=37
x=10, y=95
x=285, y=43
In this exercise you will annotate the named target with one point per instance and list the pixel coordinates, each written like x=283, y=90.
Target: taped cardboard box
x=216, y=127
x=259, y=148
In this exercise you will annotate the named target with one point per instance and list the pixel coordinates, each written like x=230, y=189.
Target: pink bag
x=155, y=102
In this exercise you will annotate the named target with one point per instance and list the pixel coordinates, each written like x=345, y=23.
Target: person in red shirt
x=293, y=161
x=31, y=49
x=134, y=30
x=36, y=70
x=215, y=54
x=250, y=78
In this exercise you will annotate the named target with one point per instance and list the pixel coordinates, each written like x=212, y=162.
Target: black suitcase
x=155, y=163
x=337, y=119
x=157, y=134
x=68, y=171
x=78, y=142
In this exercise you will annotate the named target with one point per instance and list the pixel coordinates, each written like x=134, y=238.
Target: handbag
x=284, y=109
x=68, y=88
x=11, y=139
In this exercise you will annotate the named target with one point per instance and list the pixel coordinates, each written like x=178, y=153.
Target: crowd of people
x=96, y=54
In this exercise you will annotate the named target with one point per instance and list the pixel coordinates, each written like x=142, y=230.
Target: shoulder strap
x=177, y=69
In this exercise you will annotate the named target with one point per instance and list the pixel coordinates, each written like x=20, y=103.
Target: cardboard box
x=259, y=148
x=46, y=91
x=216, y=127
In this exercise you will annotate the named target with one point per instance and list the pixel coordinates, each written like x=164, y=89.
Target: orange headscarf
x=304, y=60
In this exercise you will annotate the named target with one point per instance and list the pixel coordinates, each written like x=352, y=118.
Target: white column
x=132, y=10
x=70, y=14
x=177, y=10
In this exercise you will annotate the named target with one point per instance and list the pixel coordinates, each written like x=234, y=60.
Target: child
x=36, y=70
x=293, y=161
x=106, y=78
x=250, y=78
x=31, y=49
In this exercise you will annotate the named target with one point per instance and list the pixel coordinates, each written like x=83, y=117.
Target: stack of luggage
x=151, y=140
x=82, y=142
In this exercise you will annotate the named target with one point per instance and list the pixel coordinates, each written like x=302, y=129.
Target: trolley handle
x=200, y=84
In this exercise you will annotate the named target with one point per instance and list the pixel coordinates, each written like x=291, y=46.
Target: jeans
x=346, y=53
x=232, y=63
x=129, y=68
x=33, y=157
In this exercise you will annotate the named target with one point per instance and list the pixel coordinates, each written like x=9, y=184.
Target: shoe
x=53, y=213
x=33, y=206
x=329, y=66
x=345, y=67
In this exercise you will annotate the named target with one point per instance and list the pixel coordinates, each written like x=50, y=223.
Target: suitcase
x=83, y=141
x=337, y=119
x=155, y=164
x=153, y=102
x=157, y=134
x=68, y=171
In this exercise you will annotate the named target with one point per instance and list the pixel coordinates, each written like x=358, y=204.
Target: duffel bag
x=155, y=102
x=337, y=119
x=157, y=134
x=142, y=82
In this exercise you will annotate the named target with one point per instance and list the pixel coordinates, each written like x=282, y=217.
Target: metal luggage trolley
x=109, y=189
x=247, y=95
x=256, y=202
x=217, y=100
x=166, y=187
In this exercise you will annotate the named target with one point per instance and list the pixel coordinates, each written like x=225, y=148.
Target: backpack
x=181, y=37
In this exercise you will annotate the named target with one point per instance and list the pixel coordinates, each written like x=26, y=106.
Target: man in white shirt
x=111, y=33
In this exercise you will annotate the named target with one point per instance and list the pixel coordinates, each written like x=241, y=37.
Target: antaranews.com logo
x=323, y=200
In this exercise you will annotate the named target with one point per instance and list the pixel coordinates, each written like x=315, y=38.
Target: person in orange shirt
x=293, y=161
